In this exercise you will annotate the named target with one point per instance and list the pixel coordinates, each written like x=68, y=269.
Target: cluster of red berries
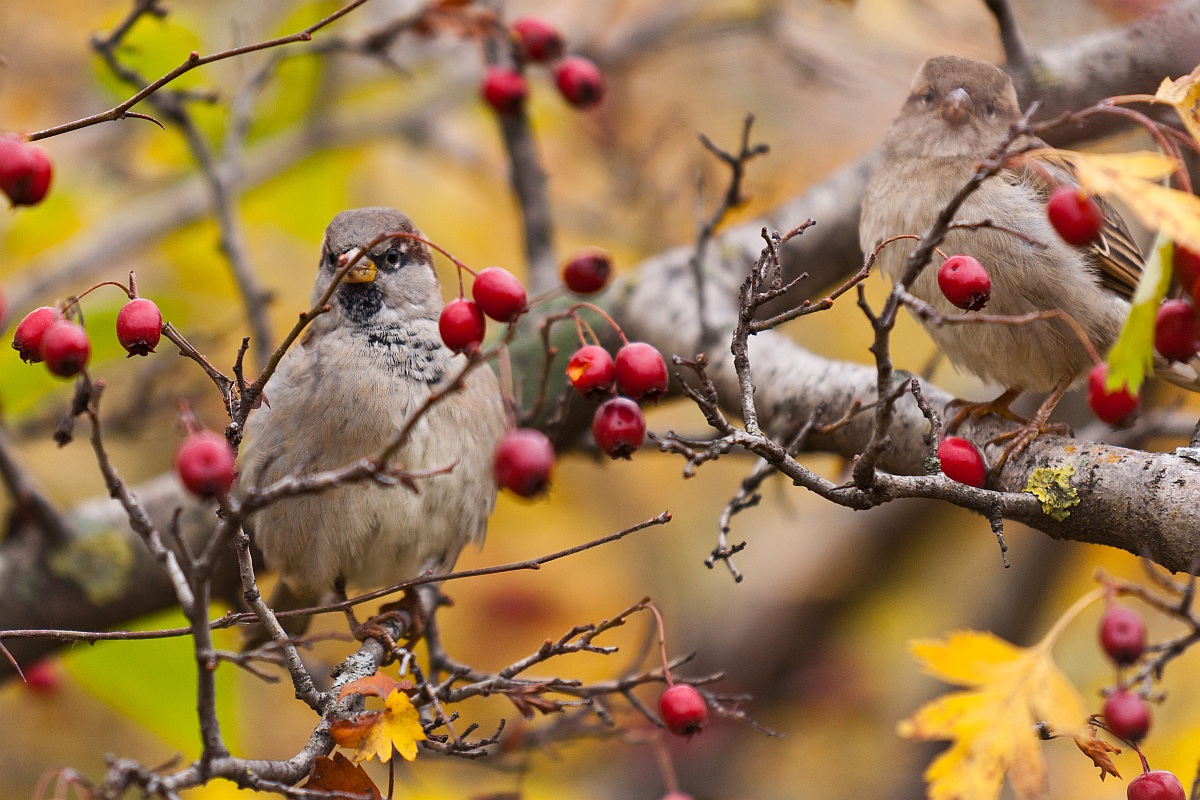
x=1126, y=714
x=497, y=294
x=46, y=335
x=962, y=461
x=638, y=372
x=25, y=170
x=578, y=79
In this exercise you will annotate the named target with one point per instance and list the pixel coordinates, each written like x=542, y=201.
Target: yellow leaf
x=376, y=734
x=1184, y=94
x=993, y=723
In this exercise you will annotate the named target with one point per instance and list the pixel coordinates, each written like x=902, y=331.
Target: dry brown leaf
x=340, y=774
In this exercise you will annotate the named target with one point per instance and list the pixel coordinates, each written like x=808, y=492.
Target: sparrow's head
x=957, y=107
x=392, y=276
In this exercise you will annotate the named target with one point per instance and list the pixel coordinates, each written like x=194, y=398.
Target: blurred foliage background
x=817, y=630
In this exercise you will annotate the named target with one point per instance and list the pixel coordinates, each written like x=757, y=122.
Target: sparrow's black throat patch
x=360, y=301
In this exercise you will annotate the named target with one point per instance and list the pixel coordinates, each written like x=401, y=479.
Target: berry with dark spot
x=139, y=326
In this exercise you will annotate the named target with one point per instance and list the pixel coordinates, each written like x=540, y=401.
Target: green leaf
x=1132, y=357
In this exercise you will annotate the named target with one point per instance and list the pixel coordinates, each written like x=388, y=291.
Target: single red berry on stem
x=587, y=272
x=1075, y=215
x=523, y=461
x=1176, y=330
x=965, y=282
x=538, y=39
x=1157, y=784
x=499, y=294
x=641, y=371
x=1122, y=634
x=591, y=371
x=504, y=90
x=1185, y=264
x=619, y=427
x=65, y=348
x=43, y=677
x=682, y=709
x=25, y=170
x=462, y=325
x=139, y=326
x=1115, y=407
x=1127, y=715
x=962, y=461
x=204, y=463
x=579, y=81
x=27, y=338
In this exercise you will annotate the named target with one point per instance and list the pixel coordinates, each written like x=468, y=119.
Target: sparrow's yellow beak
x=957, y=108
x=362, y=272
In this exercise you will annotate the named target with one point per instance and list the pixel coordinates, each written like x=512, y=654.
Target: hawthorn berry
x=591, y=371
x=43, y=677
x=504, y=90
x=1122, y=634
x=641, y=371
x=579, y=81
x=499, y=294
x=1176, y=330
x=962, y=461
x=619, y=427
x=587, y=272
x=1115, y=407
x=65, y=348
x=27, y=338
x=25, y=170
x=204, y=463
x=523, y=461
x=1127, y=715
x=1185, y=265
x=1157, y=784
x=538, y=39
x=139, y=326
x=965, y=282
x=1075, y=215
x=682, y=709
x=461, y=325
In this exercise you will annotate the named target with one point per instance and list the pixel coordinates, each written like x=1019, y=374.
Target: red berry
x=1176, y=330
x=1127, y=715
x=504, y=90
x=43, y=677
x=27, y=338
x=523, y=461
x=139, y=326
x=965, y=282
x=619, y=427
x=65, y=348
x=591, y=371
x=204, y=463
x=1122, y=634
x=580, y=82
x=587, y=272
x=641, y=371
x=499, y=293
x=1114, y=407
x=962, y=461
x=1157, y=784
x=1075, y=215
x=538, y=39
x=682, y=709
x=1185, y=264
x=25, y=171
x=461, y=325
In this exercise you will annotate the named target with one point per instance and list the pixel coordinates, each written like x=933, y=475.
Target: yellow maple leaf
x=1132, y=179
x=993, y=723
x=377, y=733
x=1184, y=94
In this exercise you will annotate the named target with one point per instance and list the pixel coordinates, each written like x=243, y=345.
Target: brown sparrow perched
x=342, y=393
x=956, y=115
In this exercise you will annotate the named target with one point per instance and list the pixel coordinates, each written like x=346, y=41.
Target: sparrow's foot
x=975, y=411
x=1023, y=436
x=407, y=615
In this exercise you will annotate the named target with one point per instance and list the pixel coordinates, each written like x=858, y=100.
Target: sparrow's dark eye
x=990, y=108
x=392, y=257
x=929, y=97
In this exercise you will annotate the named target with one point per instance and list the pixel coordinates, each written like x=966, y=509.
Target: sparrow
x=340, y=394
x=957, y=114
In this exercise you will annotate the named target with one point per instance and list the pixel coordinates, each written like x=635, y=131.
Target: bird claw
x=407, y=615
x=976, y=411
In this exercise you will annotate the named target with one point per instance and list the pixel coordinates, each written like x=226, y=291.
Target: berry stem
x=665, y=766
x=604, y=314
x=662, y=644
x=418, y=238
x=130, y=292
